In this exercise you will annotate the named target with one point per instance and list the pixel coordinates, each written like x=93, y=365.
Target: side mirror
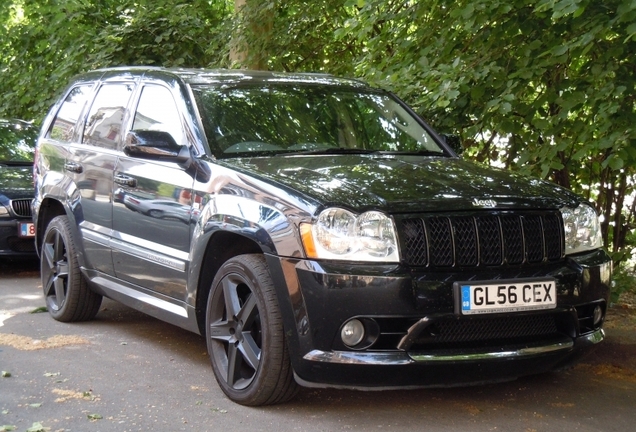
x=155, y=145
x=454, y=142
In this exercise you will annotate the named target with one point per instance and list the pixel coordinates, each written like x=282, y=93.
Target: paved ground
x=126, y=371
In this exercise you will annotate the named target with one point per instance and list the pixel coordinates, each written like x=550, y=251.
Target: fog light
x=598, y=315
x=352, y=332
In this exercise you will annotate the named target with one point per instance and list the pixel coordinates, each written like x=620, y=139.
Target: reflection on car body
x=158, y=208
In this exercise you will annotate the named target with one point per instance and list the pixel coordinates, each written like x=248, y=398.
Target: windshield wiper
x=412, y=153
x=330, y=150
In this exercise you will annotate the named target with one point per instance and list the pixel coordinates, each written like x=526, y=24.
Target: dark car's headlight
x=3, y=210
x=582, y=229
x=342, y=235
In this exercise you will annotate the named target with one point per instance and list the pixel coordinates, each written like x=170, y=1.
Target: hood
x=404, y=183
x=16, y=181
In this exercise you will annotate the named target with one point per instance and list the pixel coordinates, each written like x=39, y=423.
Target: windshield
x=17, y=142
x=287, y=119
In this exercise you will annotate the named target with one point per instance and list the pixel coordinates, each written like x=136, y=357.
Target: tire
x=155, y=213
x=245, y=336
x=68, y=297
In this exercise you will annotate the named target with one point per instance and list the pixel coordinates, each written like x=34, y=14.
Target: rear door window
x=104, y=122
x=63, y=128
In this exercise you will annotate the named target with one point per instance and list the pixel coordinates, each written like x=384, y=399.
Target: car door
x=151, y=215
x=91, y=163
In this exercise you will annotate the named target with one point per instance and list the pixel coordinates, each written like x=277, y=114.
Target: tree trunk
x=243, y=53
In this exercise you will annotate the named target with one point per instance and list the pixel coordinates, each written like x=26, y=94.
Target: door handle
x=125, y=180
x=73, y=167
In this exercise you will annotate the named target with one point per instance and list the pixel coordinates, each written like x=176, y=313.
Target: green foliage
x=17, y=141
x=45, y=42
x=299, y=35
x=624, y=282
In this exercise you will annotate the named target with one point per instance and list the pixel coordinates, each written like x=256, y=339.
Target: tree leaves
x=545, y=87
x=45, y=42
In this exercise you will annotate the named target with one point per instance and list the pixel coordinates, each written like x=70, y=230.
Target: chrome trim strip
x=144, y=298
x=595, y=337
x=146, y=250
x=147, y=255
x=95, y=236
x=151, y=246
x=523, y=352
x=402, y=358
x=87, y=227
x=367, y=358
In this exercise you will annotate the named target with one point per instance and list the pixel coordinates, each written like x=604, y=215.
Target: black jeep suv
x=314, y=229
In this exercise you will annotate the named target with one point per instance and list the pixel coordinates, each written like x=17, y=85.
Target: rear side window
x=104, y=122
x=63, y=127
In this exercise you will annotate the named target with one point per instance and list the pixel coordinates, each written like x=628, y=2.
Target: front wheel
x=245, y=337
x=68, y=297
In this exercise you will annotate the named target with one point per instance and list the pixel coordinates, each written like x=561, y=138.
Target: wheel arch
x=221, y=246
x=49, y=209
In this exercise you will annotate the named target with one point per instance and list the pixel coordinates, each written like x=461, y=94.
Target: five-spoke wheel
x=245, y=335
x=68, y=298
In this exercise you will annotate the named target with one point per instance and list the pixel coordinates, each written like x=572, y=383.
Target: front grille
x=464, y=333
x=482, y=240
x=22, y=207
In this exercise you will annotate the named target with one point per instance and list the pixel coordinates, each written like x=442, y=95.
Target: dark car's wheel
x=68, y=298
x=245, y=335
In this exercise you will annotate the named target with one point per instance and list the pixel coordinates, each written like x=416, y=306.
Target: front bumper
x=11, y=243
x=420, y=340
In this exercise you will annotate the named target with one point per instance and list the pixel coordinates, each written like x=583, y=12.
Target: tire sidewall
x=252, y=393
x=75, y=281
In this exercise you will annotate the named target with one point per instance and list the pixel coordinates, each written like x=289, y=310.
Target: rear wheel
x=68, y=297
x=245, y=335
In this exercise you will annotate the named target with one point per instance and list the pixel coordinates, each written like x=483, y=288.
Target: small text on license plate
x=27, y=229
x=505, y=296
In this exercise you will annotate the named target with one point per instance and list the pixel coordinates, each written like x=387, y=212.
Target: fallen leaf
x=39, y=310
x=6, y=374
x=94, y=417
x=37, y=427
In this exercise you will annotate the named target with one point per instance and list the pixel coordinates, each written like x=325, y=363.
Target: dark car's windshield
x=17, y=142
x=250, y=120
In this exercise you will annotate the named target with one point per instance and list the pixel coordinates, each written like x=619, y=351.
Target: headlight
x=3, y=210
x=341, y=235
x=582, y=229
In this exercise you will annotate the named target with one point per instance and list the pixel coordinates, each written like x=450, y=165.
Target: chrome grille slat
x=22, y=207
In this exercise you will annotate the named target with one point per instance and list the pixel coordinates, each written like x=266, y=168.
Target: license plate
x=27, y=229
x=504, y=296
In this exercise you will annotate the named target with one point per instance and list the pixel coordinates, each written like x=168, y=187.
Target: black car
x=332, y=238
x=17, y=146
